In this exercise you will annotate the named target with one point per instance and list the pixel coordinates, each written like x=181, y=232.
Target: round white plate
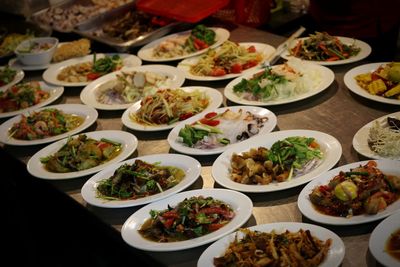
x=364, y=52
x=330, y=148
x=379, y=238
x=128, y=141
x=19, y=75
x=88, y=113
x=88, y=94
x=327, y=77
x=191, y=167
x=215, y=101
x=265, y=49
x=240, y=204
x=180, y=147
x=360, y=139
x=15, y=63
x=391, y=167
x=54, y=91
x=351, y=83
x=50, y=75
x=333, y=259
x=146, y=52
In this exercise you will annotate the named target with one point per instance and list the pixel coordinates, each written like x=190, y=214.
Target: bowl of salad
x=36, y=51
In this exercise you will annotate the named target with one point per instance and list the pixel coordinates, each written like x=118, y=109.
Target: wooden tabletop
x=335, y=111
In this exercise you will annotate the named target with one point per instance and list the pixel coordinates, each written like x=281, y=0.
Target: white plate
x=54, y=91
x=88, y=113
x=19, y=75
x=128, y=141
x=146, y=52
x=379, y=238
x=240, y=203
x=327, y=77
x=333, y=259
x=180, y=147
x=215, y=101
x=50, y=75
x=360, y=139
x=364, y=52
x=15, y=63
x=391, y=167
x=191, y=167
x=88, y=94
x=330, y=148
x=265, y=49
x=351, y=83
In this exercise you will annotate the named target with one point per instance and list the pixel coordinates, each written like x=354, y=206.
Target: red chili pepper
x=92, y=76
x=209, y=122
x=236, y=68
x=185, y=116
x=210, y=115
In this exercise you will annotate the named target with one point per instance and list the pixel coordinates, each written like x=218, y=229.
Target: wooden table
x=335, y=111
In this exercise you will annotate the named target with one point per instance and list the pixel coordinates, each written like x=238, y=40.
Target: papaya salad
x=191, y=218
x=323, y=47
x=229, y=58
x=201, y=37
x=45, y=123
x=130, y=87
x=384, y=81
x=91, y=70
x=138, y=180
x=361, y=190
x=286, y=159
x=21, y=96
x=169, y=106
x=280, y=82
x=220, y=129
x=81, y=153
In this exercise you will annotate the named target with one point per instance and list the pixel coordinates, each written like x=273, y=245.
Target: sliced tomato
x=211, y=115
x=170, y=214
x=218, y=72
x=92, y=76
x=199, y=44
x=249, y=64
x=251, y=49
x=168, y=223
x=209, y=122
x=236, y=68
x=103, y=145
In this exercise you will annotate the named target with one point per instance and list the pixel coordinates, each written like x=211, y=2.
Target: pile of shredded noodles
x=384, y=141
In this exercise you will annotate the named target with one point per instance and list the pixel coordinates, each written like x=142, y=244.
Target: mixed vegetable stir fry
x=323, y=47
x=139, y=180
x=45, y=123
x=21, y=96
x=286, y=159
x=81, y=153
x=7, y=74
x=191, y=218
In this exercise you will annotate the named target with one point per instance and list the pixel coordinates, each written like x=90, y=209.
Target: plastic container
x=188, y=10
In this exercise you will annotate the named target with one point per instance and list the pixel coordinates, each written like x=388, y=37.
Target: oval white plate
x=54, y=91
x=19, y=75
x=351, y=83
x=333, y=259
x=50, y=75
x=190, y=165
x=128, y=141
x=15, y=63
x=391, y=167
x=379, y=238
x=240, y=203
x=364, y=52
x=330, y=147
x=185, y=64
x=360, y=139
x=327, y=77
x=215, y=101
x=180, y=147
x=88, y=94
x=146, y=52
x=88, y=113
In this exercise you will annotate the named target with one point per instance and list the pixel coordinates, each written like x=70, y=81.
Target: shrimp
x=41, y=127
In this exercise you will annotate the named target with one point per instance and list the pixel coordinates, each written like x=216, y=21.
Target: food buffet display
x=286, y=151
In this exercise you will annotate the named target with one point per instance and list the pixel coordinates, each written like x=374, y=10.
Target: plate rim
x=34, y=161
x=171, y=138
x=278, y=135
x=243, y=208
x=89, y=186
